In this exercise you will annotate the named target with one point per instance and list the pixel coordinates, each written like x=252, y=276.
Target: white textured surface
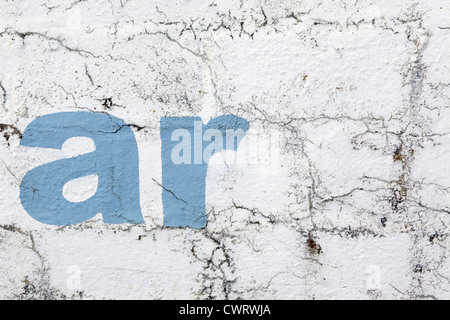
x=357, y=204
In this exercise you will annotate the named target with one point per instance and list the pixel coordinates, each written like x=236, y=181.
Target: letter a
x=115, y=161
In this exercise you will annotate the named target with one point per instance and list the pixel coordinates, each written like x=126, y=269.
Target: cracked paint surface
x=357, y=205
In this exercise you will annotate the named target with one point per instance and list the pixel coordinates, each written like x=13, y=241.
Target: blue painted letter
x=185, y=160
x=115, y=162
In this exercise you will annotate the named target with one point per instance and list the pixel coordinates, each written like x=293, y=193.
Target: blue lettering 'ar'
x=115, y=162
x=185, y=157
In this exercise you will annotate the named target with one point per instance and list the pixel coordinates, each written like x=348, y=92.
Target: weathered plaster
x=355, y=206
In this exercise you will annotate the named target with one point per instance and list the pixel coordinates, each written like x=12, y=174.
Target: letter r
x=184, y=181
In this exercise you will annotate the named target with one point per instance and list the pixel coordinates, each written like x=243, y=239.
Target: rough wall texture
x=349, y=200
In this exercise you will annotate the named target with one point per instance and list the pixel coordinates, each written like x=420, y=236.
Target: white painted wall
x=353, y=202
